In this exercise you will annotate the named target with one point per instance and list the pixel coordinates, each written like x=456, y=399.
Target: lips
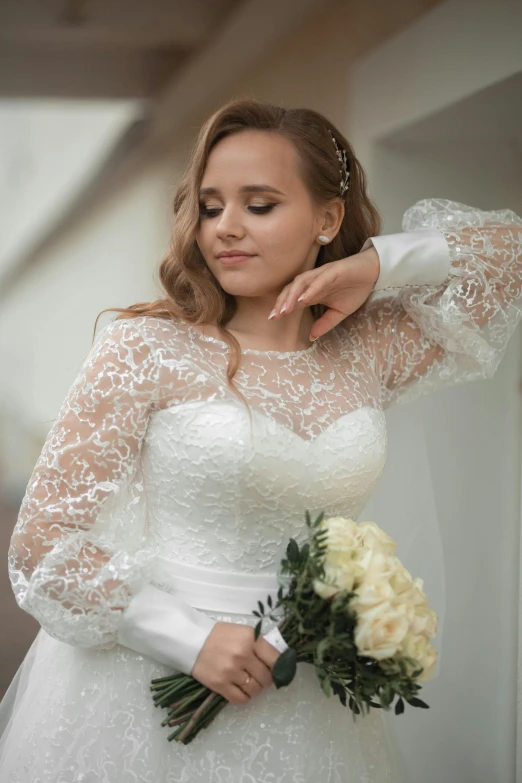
x=235, y=259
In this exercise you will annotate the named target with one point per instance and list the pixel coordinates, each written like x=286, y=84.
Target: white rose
x=341, y=533
x=380, y=630
x=374, y=537
x=415, y=594
x=371, y=593
x=424, y=621
x=342, y=566
x=419, y=648
x=339, y=574
x=402, y=580
x=324, y=590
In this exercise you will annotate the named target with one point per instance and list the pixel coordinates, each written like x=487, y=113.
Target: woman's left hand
x=343, y=286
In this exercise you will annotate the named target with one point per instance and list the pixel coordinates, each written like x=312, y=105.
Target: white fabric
x=416, y=258
x=160, y=625
x=153, y=455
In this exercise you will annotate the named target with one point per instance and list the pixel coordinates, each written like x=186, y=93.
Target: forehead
x=250, y=157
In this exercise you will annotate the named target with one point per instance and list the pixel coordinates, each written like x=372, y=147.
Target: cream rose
x=381, y=629
x=341, y=533
x=341, y=575
x=374, y=537
x=418, y=647
x=424, y=621
x=342, y=558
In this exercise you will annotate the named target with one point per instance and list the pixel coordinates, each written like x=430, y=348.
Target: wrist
x=371, y=265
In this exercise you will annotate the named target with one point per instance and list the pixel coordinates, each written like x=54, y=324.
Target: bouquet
x=351, y=610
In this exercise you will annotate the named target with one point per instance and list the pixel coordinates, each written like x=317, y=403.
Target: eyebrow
x=244, y=189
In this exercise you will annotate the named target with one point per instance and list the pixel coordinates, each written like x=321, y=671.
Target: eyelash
x=204, y=212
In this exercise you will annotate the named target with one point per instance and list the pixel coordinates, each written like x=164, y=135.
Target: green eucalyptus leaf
x=386, y=696
x=321, y=649
x=418, y=703
x=257, y=629
x=292, y=551
x=326, y=686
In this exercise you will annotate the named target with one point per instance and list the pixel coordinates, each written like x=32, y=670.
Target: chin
x=242, y=282
x=242, y=288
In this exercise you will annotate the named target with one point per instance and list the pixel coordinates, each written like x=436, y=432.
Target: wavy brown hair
x=192, y=293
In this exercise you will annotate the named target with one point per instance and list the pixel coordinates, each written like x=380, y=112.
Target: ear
x=332, y=217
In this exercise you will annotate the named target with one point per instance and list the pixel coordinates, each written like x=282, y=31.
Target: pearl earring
x=323, y=238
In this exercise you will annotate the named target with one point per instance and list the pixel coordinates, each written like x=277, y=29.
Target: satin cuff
x=163, y=626
x=411, y=258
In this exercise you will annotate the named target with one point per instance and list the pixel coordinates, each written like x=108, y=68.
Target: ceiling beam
x=34, y=71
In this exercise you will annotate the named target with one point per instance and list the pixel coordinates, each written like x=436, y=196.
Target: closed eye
x=204, y=212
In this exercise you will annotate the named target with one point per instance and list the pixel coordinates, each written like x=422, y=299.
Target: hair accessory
x=323, y=238
x=345, y=174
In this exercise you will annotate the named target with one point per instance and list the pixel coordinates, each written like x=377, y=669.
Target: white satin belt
x=216, y=591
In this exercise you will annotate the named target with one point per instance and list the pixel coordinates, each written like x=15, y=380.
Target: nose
x=229, y=223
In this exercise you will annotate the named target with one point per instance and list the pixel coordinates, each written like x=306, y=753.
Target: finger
x=290, y=293
x=279, y=302
x=313, y=292
x=327, y=321
x=295, y=290
x=252, y=687
x=237, y=695
x=259, y=669
x=266, y=652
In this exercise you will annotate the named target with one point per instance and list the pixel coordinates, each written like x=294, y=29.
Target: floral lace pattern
x=152, y=453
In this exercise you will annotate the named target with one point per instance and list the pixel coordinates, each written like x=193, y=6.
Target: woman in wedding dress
x=199, y=430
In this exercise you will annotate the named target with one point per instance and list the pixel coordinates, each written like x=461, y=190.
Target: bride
x=199, y=430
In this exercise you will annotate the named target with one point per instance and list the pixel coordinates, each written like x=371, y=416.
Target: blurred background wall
x=98, y=109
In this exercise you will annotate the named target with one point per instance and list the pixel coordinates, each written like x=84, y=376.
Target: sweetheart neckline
x=271, y=419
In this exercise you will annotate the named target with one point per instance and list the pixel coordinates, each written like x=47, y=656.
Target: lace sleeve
x=427, y=336
x=75, y=558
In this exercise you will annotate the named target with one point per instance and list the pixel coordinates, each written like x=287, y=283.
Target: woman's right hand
x=229, y=655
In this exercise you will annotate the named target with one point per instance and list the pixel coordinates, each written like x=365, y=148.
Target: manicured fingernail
x=283, y=309
x=300, y=299
x=312, y=338
x=271, y=314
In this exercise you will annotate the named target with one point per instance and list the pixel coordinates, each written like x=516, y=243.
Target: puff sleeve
x=456, y=277
x=78, y=557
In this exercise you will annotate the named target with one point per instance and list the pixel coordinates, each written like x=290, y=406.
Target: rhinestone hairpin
x=345, y=174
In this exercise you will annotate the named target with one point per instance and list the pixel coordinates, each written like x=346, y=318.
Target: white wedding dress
x=153, y=471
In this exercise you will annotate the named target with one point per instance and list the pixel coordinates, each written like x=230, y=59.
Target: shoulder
x=153, y=332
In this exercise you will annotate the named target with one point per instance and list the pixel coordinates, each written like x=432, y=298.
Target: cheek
x=282, y=239
x=203, y=237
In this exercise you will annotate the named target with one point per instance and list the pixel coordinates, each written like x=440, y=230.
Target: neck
x=251, y=327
